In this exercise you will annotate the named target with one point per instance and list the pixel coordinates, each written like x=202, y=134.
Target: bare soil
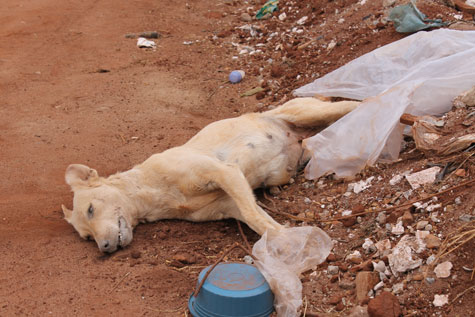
x=74, y=89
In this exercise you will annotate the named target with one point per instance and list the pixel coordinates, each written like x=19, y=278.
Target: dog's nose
x=106, y=246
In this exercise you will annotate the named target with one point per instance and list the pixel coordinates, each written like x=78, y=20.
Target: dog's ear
x=78, y=174
x=67, y=213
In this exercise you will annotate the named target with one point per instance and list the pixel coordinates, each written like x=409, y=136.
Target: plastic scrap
x=419, y=74
x=283, y=255
x=269, y=7
x=407, y=19
x=143, y=42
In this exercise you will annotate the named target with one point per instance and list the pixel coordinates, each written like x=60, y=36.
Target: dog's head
x=100, y=210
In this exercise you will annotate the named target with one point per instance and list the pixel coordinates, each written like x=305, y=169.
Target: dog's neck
x=147, y=197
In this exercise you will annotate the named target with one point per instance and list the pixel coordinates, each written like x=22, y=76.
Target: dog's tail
x=311, y=112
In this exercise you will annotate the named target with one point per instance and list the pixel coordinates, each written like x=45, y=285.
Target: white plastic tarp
x=419, y=74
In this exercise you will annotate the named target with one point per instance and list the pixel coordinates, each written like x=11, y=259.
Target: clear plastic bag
x=419, y=74
x=283, y=255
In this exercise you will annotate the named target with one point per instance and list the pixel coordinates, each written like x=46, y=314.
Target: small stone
x=379, y=286
x=369, y=246
x=379, y=267
x=422, y=224
x=383, y=245
x=354, y=257
x=339, y=307
x=184, y=258
x=246, y=17
x=348, y=222
x=460, y=172
x=276, y=71
x=335, y=299
x=423, y=177
x=274, y=190
x=398, y=288
x=333, y=269
x=381, y=218
x=248, y=259
x=358, y=311
x=398, y=229
x=343, y=267
x=430, y=280
x=443, y=269
x=466, y=218
x=162, y=235
x=432, y=242
x=384, y=305
x=365, y=281
x=418, y=277
x=428, y=227
x=407, y=218
x=440, y=300
x=331, y=257
x=458, y=201
x=135, y=254
x=346, y=285
x=430, y=259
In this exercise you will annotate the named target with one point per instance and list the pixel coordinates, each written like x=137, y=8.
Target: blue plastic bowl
x=232, y=290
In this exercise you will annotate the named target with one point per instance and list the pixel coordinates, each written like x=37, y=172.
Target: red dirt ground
x=58, y=106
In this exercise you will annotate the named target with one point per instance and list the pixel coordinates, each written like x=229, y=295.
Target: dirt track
x=56, y=109
x=73, y=89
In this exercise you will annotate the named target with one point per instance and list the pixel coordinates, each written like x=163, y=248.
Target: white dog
x=211, y=177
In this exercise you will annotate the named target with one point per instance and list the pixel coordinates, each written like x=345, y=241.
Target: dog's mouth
x=122, y=231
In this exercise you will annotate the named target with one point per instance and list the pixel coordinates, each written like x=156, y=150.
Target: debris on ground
x=144, y=43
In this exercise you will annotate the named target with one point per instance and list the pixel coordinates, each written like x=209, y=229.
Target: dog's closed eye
x=90, y=211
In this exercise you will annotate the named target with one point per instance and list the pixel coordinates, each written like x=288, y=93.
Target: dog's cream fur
x=211, y=177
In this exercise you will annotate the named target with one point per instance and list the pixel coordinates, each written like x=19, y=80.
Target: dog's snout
x=106, y=246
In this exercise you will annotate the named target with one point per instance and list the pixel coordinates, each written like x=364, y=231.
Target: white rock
x=346, y=213
x=433, y=207
x=354, y=255
x=383, y=245
x=443, y=269
x=302, y=20
x=421, y=224
x=430, y=259
x=282, y=16
x=402, y=258
x=368, y=245
x=358, y=187
x=378, y=286
x=398, y=288
x=440, y=300
x=332, y=269
x=330, y=46
x=379, y=267
x=248, y=259
x=423, y=177
x=398, y=229
x=396, y=179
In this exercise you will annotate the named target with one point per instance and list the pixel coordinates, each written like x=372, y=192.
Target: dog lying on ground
x=211, y=177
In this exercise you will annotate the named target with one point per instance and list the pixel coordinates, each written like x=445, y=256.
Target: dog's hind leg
x=311, y=112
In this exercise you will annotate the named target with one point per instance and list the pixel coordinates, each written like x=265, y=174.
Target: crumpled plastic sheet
x=419, y=74
x=283, y=255
x=407, y=19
